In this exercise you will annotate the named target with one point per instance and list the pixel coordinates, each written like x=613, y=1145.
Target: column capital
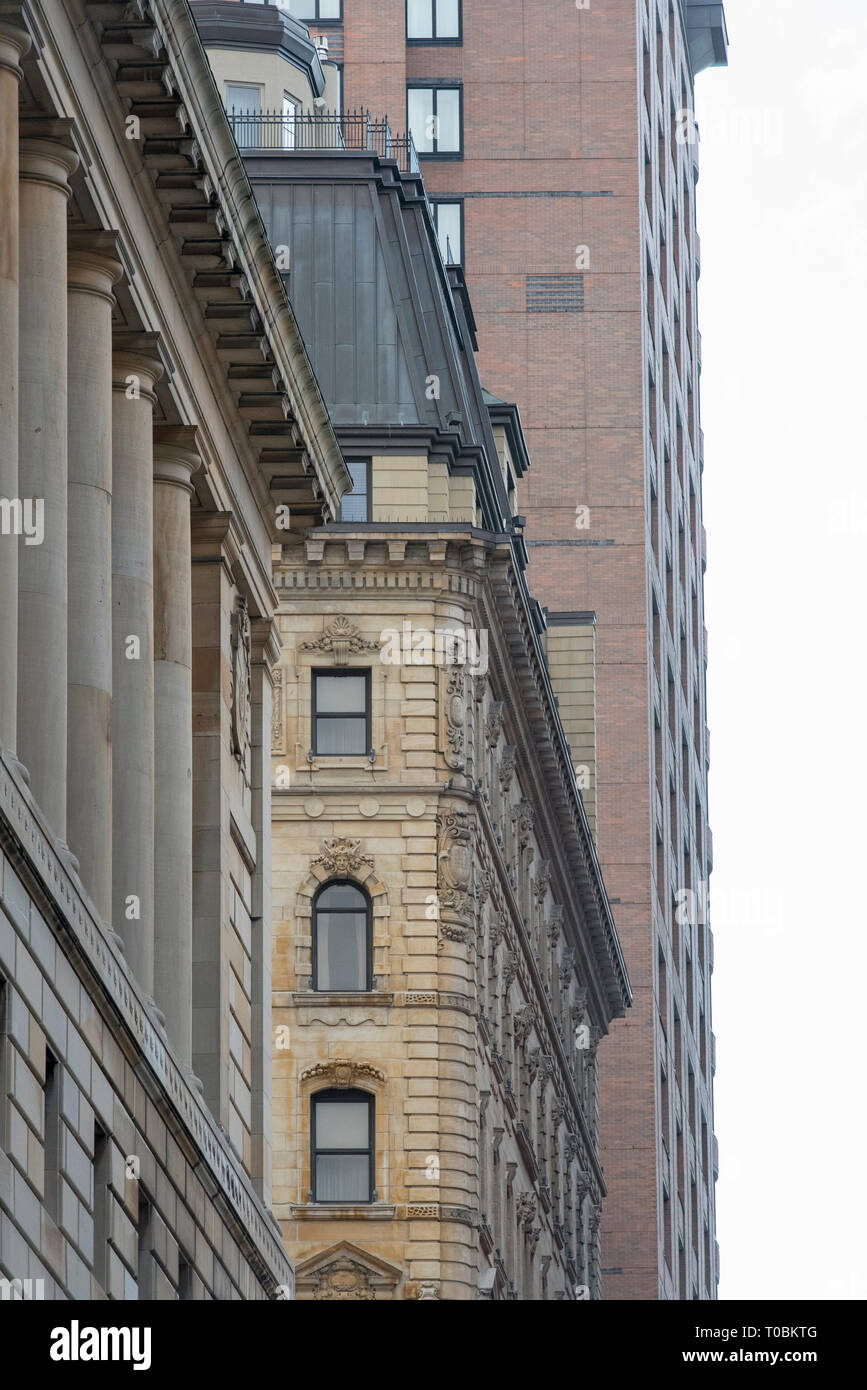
x=136, y=355
x=46, y=153
x=14, y=42
x=176, y=455
x=93, y=261
x=216, y=537
x=266, y=642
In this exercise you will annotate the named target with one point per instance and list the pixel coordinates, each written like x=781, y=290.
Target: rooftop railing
x=322, y=130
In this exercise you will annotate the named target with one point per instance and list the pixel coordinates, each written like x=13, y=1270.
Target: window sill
x=324, y=998
x=339, y=1211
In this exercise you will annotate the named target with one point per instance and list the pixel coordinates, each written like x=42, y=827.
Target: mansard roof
x=388, y=326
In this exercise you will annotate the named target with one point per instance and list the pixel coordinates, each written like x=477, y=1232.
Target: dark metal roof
x=388, y=327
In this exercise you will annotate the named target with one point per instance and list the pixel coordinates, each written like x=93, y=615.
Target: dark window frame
x=368, y=982
x=435, y=200
x=368, y=462
x=434, y=85
x=434, y=37
x=348, y=1097
x=315, y=717
x=324, y=19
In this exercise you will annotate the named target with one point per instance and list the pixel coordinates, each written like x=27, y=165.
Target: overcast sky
x=783, y=307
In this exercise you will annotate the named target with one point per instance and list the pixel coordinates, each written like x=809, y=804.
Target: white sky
x=783, y=306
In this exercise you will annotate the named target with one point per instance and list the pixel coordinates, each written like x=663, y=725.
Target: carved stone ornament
x=343, y=1279
x=341, y=858
x=555, y=923
x=524, y=817
x=454, y=707
x=546, y=1067
x=559, y=1111
x=522, y=1023
x=481, y=686
x=525, y=1209
x=241, y=716
x=567, y=966
x=342, y=1074
x=542, y=880
x=483, y=888
x=494, y=722
x=454, y=875
x=510, y=968
x=427, y=1289
x=496, y=930
x=507, y=765
x=342, y=639
x=278, y=727
x=533, y=1064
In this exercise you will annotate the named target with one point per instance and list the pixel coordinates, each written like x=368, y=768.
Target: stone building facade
x=153, y=381
x=561, y=158
x=445, y=960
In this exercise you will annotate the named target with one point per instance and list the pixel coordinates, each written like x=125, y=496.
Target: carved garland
x=342, y=1074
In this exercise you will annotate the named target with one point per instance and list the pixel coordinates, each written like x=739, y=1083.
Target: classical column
x=136, y=367
x=216, y=549
x=175, y=461
x=265, y=651
x=93, y=269
x=14, y=43
x=46, y=162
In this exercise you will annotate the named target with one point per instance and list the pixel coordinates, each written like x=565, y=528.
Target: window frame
x=435, y=200
x=323, y=19
x=368, y=462
x=314, y=965
x=434, y=38
x=434, y=85
x=340, y=673
x=346, y=1097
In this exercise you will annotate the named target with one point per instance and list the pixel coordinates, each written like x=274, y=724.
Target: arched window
x=342, y=938
x=341, y=1131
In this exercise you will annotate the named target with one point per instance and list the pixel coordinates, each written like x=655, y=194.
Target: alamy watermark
x=23, y=517
x=440, y=646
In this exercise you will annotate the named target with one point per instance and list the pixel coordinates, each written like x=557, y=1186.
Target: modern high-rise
x=560, y=156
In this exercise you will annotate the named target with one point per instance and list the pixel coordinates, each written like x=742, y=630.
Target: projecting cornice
x=162, y=75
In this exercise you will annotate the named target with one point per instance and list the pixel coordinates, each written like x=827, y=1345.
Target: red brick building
x=560, y=156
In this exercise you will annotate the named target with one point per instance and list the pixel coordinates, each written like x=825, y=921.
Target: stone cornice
x=37, y=858
x=481, y=565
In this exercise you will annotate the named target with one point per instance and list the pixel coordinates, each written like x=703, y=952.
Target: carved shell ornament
x=342, y=639
x=241, y=718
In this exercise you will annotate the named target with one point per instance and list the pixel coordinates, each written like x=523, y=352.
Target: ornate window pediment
x=346, y=1273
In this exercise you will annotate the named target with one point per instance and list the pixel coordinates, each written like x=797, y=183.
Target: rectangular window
x=355, y=505
x=312, y=9
x=342, y=1147
x=101, y=1174
x=51, y=1097
x=243, y=107
x=449, y=222
x=433, y=21
x=434, y=118
x=290, y=111
x=341, y=713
